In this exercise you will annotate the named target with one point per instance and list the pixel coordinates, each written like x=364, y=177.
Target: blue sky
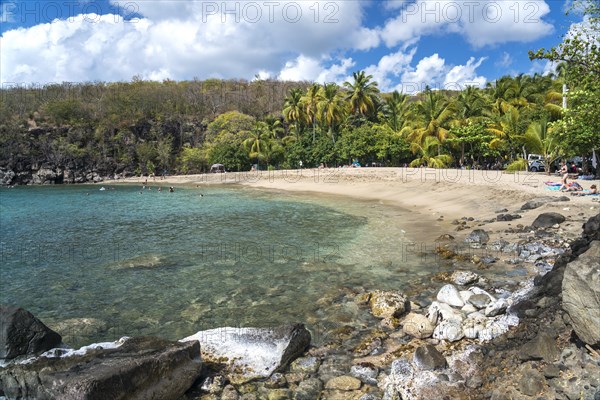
x=404, y=44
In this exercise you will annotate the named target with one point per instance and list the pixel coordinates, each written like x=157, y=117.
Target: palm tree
x=396, y=111
x=362, y=94
x=539, y=140
x=331, y=107
x=261, y=142
x=428, y=156
x=436, y=113
x=311, y=102
x=507, y=130
x=292, y=111
x=471, y=106
x=499, y=93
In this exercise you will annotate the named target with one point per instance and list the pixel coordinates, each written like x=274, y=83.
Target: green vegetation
x=146, y=127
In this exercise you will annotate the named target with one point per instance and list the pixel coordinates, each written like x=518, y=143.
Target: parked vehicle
x=537, y=166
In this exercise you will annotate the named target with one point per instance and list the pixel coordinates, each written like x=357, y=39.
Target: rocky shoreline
x=474, y=338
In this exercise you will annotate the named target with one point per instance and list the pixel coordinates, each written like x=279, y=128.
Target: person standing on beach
x=564, y=171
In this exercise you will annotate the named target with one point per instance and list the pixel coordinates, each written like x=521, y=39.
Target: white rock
x=449, y=294
x=449, y=330
x=443, y=312
x=496, y=308
x=417, y=325
x=468, y=309
x=464, y=278
x=465, y=295
x=477, y=290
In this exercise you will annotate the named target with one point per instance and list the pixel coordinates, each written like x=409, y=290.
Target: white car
x=537, y=166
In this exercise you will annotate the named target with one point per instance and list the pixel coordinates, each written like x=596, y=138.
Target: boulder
x=6, y=176
x=428, y=358
x=581, y=294
x=547, y=220
x=479, y=300
x=496, y=308
x=133, y=368
x=540, y=201
x=418, y=326
x=22, y=334
x=450, y=295
x=542, y=347
x=252, y=353
x=478, y=236
x=464, y=278
x=450, y=330
x=388, y=304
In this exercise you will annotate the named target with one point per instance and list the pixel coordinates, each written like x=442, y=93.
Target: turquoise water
x=170, y=264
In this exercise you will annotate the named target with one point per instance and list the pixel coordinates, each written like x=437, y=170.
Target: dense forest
x=87, y=131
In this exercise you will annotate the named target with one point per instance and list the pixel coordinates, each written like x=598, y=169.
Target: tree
x=435, y=113
x=362, y=94
x=396, y=112
x=311, y=103
x=292, y=111
x=579, y=129
x=428, y=154
x=539, y=139
x=332, y=108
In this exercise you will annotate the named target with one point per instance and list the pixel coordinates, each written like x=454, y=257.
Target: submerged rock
x=133, y=368
x=22, y=334
x=252, y=353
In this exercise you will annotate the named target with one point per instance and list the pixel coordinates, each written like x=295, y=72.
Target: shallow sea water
x=140, y=262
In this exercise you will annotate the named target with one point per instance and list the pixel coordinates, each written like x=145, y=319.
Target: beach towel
x=553, y=187
x=553, y=184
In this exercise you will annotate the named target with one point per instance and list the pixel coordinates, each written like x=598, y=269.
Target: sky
x=404, y=44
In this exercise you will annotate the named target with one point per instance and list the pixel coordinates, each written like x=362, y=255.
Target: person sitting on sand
x=593, y=190
x=573, y=187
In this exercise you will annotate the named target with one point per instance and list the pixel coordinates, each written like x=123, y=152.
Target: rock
x=443, y=312
x=507, y=217
x=581, y=294
x=501, y=210
x=464, y=278
x=547, y=220
x=366, y=373
x=22, y=334
x=479, y=300
x=496, y=308
x=279, y=394
x=478, y=236
x=418, y=326
x=275, y=381
x=445, y=238
x=449, y=294
x=388, y=304
x=468, y=309
x=134, y=368
x=473, y=325
x=6, y=177
x=308, y=389
x=540, y=201
x=429, y=358
x=345, y=382
x=449, y=330
x=542, y=347
x=229, y=393
x=308, y=365
x=530, y=381
x=252, y=353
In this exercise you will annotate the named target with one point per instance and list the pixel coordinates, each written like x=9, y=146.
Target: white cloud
x=504, y=61
x=461, y=76
x=481, y=23
x=304, y=68
x=183, y=40
x=390, y=67
x=429, y=71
